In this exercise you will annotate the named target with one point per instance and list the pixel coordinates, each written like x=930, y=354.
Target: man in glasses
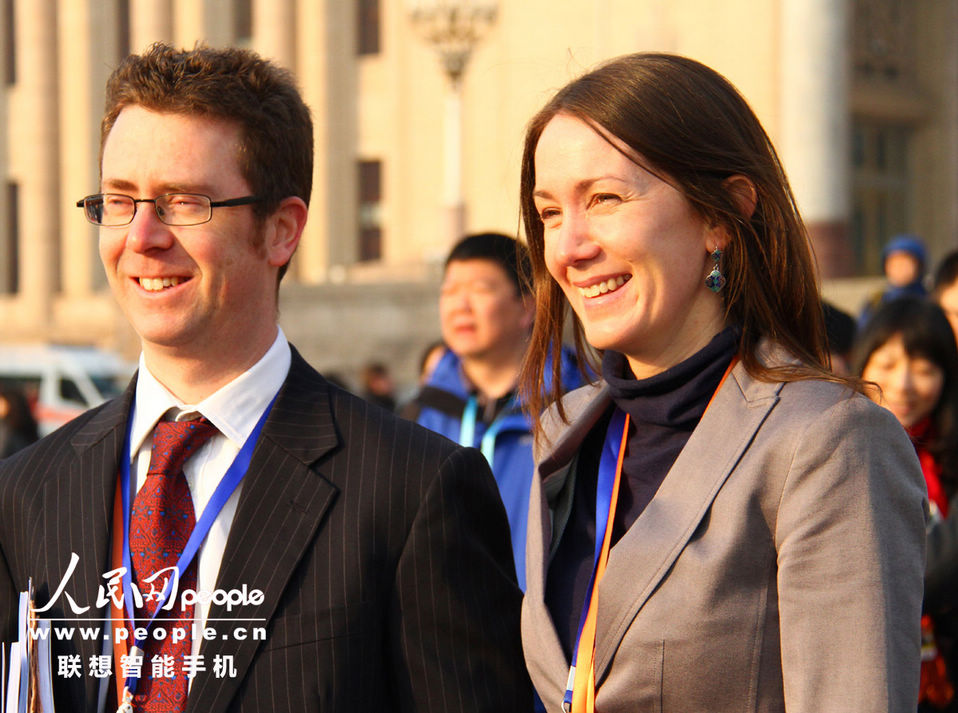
x=272, y=542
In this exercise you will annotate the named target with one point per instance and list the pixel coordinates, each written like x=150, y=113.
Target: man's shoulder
x=358, y=418
x=84, y=430
x=357, y=422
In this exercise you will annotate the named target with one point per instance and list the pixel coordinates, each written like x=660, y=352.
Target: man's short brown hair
x=276, y=150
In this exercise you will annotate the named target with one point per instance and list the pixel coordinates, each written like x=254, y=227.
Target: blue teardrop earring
x=715, y=280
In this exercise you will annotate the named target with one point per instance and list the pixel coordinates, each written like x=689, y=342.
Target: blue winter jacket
x=441, y=406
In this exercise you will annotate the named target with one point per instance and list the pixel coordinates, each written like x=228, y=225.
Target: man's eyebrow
x=117, y=184
x=125, y=185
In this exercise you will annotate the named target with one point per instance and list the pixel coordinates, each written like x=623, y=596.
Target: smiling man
x=281, y=546
x=486, y=313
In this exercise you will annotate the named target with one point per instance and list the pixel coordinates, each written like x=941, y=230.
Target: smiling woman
x=693, y=512
x=908, y=354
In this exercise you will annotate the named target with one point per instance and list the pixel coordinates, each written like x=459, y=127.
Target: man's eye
x=184, y=201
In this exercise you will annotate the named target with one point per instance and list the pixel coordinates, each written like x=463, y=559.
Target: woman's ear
x=743, y=193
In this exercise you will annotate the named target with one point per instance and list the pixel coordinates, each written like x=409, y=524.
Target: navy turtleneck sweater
x=663, y=410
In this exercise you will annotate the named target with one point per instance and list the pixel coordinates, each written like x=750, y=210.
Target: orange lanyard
x=581, y=683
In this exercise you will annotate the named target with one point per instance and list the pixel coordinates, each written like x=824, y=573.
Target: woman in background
x=720, y=523
x=907, y=351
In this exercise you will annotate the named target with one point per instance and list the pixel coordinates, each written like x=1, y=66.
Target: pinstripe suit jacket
x=382, y=551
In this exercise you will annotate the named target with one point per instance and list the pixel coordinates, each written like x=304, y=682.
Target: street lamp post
x=453, y=28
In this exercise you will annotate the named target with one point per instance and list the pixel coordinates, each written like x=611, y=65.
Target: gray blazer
x=779, y=566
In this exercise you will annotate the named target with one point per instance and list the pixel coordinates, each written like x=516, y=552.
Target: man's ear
x=284, y=229
x=743, y=193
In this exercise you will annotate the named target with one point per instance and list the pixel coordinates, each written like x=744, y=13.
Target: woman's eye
x=548, y=214
x=605, y=199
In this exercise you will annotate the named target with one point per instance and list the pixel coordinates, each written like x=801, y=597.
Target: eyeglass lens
x=113, y=209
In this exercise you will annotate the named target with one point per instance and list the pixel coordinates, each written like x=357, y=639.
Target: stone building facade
x=859, y=96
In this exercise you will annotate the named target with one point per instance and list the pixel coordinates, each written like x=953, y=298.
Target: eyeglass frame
x=228, y=203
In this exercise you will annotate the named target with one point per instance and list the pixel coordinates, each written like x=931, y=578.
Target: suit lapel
x=280, y=508
x=78, y=514
x=644, y=555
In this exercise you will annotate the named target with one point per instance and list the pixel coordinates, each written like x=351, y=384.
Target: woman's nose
x=575, y=243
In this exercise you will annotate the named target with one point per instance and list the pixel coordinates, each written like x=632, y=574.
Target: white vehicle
x=61, y=382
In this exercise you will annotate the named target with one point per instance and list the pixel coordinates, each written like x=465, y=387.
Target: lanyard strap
x=580, y=686
x=227, y=485
x=467, y=429
x=606, y=497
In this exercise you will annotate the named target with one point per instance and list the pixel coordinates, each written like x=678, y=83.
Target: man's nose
x=146, y=231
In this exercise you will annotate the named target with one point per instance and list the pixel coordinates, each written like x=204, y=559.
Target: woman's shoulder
x=580, y=408
x=812, y=413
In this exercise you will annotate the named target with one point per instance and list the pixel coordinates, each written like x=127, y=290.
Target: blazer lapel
x=79, y=514
x=583, y=407
x=647, y=551
x=281, y=505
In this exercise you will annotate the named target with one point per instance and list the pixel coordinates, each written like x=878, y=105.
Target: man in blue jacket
x=486, y=313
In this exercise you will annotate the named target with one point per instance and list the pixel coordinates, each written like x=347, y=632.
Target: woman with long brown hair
x=719, y=523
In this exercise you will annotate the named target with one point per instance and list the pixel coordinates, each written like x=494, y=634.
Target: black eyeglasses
x=114, y=210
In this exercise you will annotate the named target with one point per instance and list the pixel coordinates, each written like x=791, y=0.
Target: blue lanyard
x=603, y=499
x=467, y=429
x=229, y=482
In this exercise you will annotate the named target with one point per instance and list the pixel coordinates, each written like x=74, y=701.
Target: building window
x=10, y=264
x=370, y=210
x=880, y=195
x=883, y=41
x=368, y=27
x=9, y=46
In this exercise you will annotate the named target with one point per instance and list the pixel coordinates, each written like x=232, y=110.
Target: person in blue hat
x=904, y=258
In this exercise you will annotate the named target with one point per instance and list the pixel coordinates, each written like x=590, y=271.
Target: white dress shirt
x=234, y=409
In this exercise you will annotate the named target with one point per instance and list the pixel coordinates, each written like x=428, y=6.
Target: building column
x=150, y=21
x=34, y=158
x=207, y=21
x=89, y=48
x=274, y=30
x=326, y=70
x=816, y=124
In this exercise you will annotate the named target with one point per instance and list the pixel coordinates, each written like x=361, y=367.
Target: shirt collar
x=234, y=408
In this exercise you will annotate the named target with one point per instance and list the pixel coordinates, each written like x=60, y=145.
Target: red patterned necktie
x=160, y=525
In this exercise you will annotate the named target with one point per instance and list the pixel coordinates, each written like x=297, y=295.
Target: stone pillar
x=326, y=71
x=311, y=261
x=87, y=63
x=208, y=21
x=274, y=30
x=34, y=158
x=150, y=21
x=816, y=124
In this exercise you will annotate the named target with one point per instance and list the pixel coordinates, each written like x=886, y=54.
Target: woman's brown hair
x=689, y=125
